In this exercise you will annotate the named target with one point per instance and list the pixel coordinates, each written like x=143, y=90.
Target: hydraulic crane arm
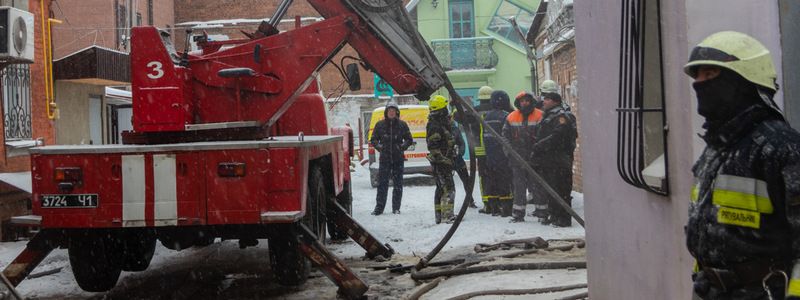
x=251, y=83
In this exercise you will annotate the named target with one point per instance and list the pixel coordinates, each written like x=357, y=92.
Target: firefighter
x=391, y=137
x=553, y=155
x=519, y=130
x=744, y=217
x=441, y=153
x=484, y=105
x=497, y=179
x=459, y=164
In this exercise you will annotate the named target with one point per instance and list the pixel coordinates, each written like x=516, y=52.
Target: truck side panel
x=271, y=183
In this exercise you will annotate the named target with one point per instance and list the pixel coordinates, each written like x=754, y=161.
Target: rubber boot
x=486, y=208
x=495, y=204
x=506, y=207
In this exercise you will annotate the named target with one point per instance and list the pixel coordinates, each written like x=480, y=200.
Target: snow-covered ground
x=223, y=267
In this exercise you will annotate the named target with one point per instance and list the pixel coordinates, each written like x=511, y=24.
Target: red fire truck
x=228, y=142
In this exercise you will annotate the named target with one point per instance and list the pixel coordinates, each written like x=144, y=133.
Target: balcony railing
x=465, y=53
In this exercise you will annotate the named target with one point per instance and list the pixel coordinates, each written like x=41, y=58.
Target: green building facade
x=476, y=43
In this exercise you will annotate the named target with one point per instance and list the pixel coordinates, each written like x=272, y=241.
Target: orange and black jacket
x=520, y=130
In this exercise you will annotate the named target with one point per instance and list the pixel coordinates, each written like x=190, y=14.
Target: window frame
x=505, y=38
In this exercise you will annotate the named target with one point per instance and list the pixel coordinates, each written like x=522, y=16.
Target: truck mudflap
x=357, y=232
x=350, y=286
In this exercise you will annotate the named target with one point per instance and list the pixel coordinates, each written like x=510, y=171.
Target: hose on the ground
x=424, y=289
x=520, y=291
x=505, y=267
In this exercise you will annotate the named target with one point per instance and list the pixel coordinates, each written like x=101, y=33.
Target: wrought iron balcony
x=465, y=53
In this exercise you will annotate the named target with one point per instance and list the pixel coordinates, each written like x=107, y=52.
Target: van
x=416, y=161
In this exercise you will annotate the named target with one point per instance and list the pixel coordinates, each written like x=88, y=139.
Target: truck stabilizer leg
x=349, y=284
x=35, y=251
x=358, y=233
x=7, y=291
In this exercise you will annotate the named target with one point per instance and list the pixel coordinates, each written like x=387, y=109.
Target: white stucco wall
x=636, y=247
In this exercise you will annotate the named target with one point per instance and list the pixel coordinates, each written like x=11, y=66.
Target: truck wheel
x=176, y=242
x=93, y=264
x=315, y=204
x=345, y=199
x=137, y=248
x=289, y=265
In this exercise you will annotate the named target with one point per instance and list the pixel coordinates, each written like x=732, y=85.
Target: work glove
x=438, y=158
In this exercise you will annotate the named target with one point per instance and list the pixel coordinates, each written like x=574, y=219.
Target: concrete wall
x=634, y=235
x=512, y=71
x=72, y=128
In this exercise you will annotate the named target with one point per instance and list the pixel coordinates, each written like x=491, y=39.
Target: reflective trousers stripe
x=794, y=282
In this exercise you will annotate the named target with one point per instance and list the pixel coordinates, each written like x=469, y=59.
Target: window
x=121, y=24
x=138, y=19
x=501, y=25
x=641, y=123
x=16, y=81
x=150, y=12
x=19, y=4
x=461, y=19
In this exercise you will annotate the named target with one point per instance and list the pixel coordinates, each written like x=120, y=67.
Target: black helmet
x=499, y=99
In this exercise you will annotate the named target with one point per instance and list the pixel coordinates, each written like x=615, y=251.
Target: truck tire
x=289, y=265
x=176, y=242
x=93, y=263
x=137, y=248
x=317, y=197
x=345, y=199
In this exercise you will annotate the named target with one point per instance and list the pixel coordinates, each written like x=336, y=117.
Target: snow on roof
x=89, y=47
x=20, y=180
x=223, y=22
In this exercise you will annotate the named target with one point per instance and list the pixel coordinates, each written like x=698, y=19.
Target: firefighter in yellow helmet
x=484, y=106
x=441, y=148
x=744, y=216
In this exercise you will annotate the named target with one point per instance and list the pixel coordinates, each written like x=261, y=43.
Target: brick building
x=553, y=36
x=104, y=23
x=26, y=117
x=208, y=10
x=90, y=48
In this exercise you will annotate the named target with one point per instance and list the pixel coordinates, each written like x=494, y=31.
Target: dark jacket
x=555, y=139
x=391, y=137
x=440, y=139
x=494, y=150
x=746, y=202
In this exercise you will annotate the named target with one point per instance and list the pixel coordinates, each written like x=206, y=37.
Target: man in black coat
x=390, y=137
x=553, y=155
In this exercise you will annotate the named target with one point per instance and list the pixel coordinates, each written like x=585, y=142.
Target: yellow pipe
x=50, y=114
x=52, y=90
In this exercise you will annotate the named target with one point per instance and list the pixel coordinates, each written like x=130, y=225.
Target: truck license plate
x=71, y=200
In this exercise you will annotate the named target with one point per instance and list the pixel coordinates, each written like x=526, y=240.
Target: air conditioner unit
x=16, y=35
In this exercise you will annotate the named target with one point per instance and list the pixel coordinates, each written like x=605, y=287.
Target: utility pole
x=529, y=53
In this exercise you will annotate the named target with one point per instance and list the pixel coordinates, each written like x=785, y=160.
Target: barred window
x=16, y=81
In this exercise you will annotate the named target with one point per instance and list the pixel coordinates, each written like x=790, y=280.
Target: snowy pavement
x=223, y=271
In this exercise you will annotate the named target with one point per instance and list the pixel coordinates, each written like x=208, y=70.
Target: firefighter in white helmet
x=744, y=217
